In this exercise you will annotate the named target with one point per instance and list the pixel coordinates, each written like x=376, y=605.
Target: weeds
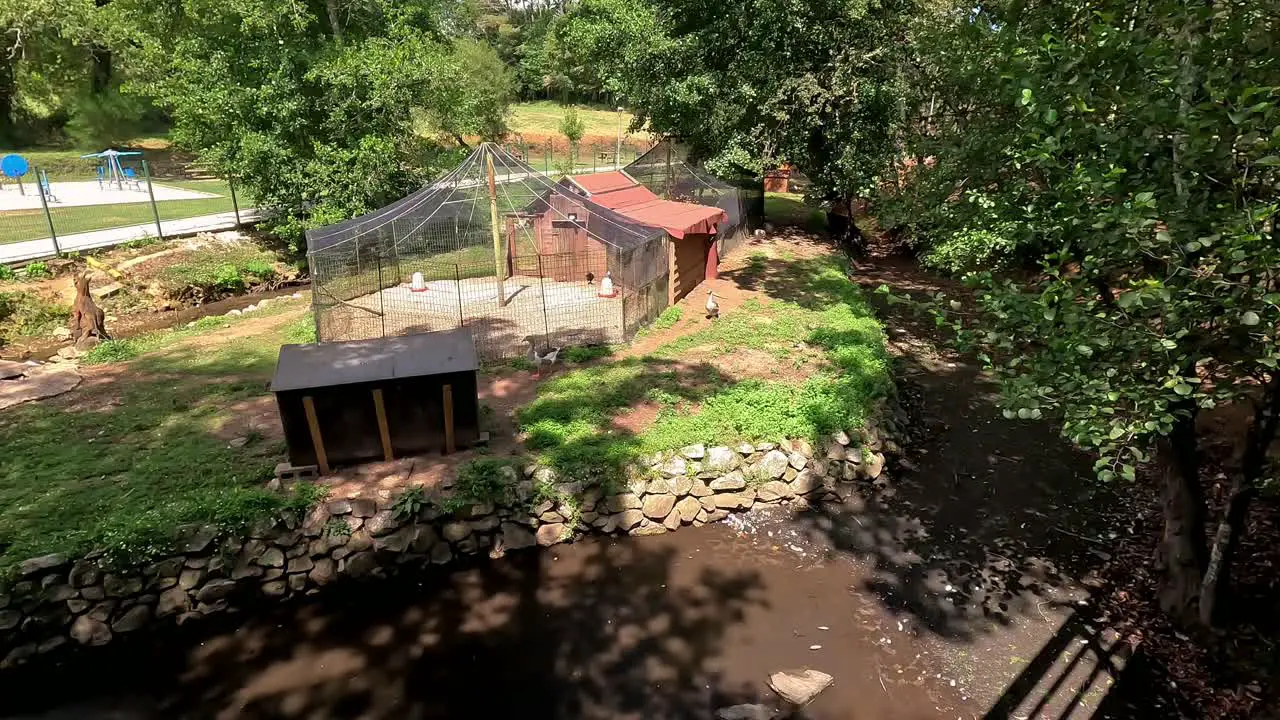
x=337, y=527
x=410, y=503
x=7, y=274
x=37, y=270
x=25, y=314
x=214, y=273
x=483, y=480
x=668, y=318
x=586, y=353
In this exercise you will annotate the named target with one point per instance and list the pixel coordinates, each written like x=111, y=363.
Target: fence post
x=546, y=158
x=595, y=155
x=44, y=203
x=457, y=287
x=382, y=297
x=155, y=211
x=235, y=202
x=546, y=323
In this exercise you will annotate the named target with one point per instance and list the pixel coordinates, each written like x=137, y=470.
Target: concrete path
x=43, y=247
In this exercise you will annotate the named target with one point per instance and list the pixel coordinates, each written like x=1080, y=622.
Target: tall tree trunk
x=1217, y=576
x=335, y=23
x=100, y=72
x=1182, y=556
x=8, y=89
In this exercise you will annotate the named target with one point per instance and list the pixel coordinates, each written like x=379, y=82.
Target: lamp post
x=617, y=154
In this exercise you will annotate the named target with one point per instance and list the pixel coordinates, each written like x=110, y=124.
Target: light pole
x=617, y=154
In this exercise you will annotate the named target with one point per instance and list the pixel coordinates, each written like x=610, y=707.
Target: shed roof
x=619, y=191
x=302, y=367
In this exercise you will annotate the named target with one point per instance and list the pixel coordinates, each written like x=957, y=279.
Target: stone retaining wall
x=59, y=602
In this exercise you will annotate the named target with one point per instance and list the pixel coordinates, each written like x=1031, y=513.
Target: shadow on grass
x=599, y=630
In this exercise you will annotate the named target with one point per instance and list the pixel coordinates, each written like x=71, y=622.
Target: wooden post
x=384, y=432
x=448, y=419
x=499, y=268
x=309, y=406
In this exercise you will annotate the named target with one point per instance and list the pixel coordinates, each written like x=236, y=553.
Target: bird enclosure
x=495, y=247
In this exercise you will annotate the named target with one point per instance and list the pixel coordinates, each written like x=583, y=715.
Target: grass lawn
x=543, y=118
x=19, y=225
x=790, y=209
x=811, y=322
x=121, y=462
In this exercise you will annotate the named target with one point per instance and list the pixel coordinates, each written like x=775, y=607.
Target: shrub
x=36, y=271
x=7, y=273
x=483, y=480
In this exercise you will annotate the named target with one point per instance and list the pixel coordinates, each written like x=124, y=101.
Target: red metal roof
x=618, y=191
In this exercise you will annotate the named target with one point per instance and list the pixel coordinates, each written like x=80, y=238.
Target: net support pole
x=235, y=202
x=498, y=267
x=151, y=194
x=48, y=218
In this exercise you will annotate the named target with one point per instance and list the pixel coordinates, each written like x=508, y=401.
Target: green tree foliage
x=470, y=93
x=311, y=104
x=1132, y=151
x=816, y=83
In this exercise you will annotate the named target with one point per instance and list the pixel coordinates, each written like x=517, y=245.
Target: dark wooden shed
x=346, y=402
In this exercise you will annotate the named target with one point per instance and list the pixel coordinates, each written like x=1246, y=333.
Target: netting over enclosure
x=669, y=171
x=494, y=246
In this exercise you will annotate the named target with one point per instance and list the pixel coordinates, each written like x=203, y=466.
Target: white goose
x=713, y=308
x=540, y=359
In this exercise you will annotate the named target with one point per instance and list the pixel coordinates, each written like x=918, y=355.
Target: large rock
x=694, y=452
x=628, y=519
x=746, y=712
x=398, y=541
x=774, y=464
x=836, y=451
x=216, y=590
x=732, y=481
x=200, y=538
x=798, y=687
x=773, y=491
x=84, y=573
x=324, y=572
x=133, y=619
x=173, y=601
x=624, y=501
x=88, y=631
x=301, y=564
x=516, y=537
x=797, y=460
x=551, y=534
x=9, y=619
x=805, y=482
x=272, y=557
x=658, y=506
x=722, y=459
x=424, y=539
x=362, y=507
x=42, y=563
x=735, y=501
x=873, y=465
x=688, y=509
x=672, y=521
x=663, y=485
x=361, y=564
x=699, y=489
x=381, y=523
x=675, y=466
x=456, y=531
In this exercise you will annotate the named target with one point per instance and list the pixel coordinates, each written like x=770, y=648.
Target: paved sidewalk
x=35, y=249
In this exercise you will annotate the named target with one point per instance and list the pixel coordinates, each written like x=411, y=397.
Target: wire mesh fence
x=107, y=204
x=558, y=156
x=496, y=247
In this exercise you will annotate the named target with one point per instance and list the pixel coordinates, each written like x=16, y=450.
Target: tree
x=309, y=105
x=572, y=127
x=1133, y=151
x=470, y=93
x=815, y=84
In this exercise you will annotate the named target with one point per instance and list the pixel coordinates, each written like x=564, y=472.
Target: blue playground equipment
x=14, y=166
x=111, y=171
x=44, y=187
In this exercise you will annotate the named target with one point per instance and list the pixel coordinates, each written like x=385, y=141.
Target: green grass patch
x=790, y=209
x=543, y=118
x=122, y=467
x=20, y=225
x=215, y=272
x=301, y=330
x=24, y=314
x=668, y=318
x=571, y=425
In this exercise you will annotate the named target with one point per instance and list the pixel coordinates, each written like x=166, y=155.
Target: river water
x=674, y=626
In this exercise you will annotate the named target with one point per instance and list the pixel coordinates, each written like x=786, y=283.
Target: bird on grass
x=540, y=359
x=591, y=277
x=713, y=308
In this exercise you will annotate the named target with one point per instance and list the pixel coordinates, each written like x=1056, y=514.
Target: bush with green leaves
x=37, y=270
x=1132, y=151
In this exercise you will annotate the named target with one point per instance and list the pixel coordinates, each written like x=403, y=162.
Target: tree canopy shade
x=1133, y=153
x=758, y=82
x=310, y=103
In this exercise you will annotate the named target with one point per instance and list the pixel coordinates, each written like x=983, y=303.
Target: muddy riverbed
x=674, y=626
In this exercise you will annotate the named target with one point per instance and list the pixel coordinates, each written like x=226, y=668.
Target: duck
x=713, y=308
x=540, y=359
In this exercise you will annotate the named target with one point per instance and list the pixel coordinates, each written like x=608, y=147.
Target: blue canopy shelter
x=111, y=171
